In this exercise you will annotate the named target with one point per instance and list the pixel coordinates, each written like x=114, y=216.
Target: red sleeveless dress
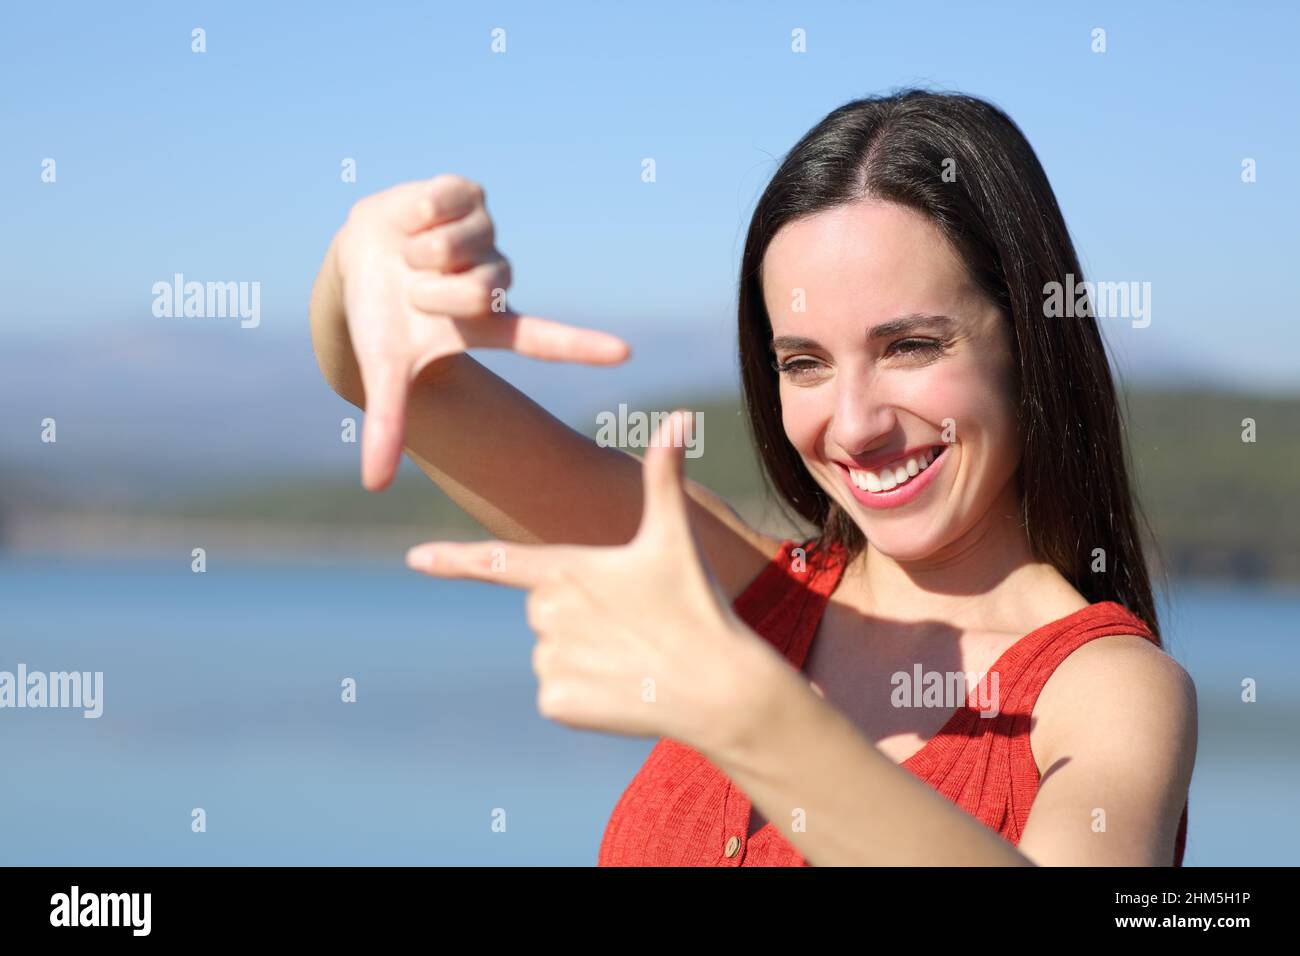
x=680, y=810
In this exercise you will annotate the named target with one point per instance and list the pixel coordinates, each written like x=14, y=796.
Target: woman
x=963, y=665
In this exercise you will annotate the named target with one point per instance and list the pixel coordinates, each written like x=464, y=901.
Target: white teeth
x=889, y=478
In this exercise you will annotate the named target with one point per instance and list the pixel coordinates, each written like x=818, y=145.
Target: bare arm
x=515, y=468
x=1121, y=738
x=1120, y=730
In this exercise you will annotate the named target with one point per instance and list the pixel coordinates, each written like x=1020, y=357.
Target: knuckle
x=444, y=180
x=413, y=251
x=454, y=182
x=441, y=247
x=481, y=294
x=361, y=210
x=421, y=296
x=568, y=576
x=543, y=657
x=539, y=609
x=550, y=700
x=500, y=275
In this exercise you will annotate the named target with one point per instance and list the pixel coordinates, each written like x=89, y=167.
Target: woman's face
x=897, y=377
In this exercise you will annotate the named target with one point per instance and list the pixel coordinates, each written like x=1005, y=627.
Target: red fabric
x=679, y=810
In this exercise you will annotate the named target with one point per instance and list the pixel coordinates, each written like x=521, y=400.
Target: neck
x=990, y=561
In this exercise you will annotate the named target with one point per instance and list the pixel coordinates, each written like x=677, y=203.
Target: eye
x=917, y=348
x=797, y=369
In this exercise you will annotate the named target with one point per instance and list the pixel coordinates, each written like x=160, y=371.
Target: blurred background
x=128, y=157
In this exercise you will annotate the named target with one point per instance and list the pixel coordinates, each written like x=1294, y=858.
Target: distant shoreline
x=97, y=534
x=141, y=536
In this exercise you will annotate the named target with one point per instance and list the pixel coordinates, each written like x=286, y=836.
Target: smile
x=897, y=482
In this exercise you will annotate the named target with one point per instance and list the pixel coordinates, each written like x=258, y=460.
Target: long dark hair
x=1000, y=214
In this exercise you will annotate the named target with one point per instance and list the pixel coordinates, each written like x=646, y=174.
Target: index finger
x=497, y=562
x=541, y=338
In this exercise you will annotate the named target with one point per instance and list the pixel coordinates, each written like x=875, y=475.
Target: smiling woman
x=958, y=450
x=861, y=219
x=910, y=395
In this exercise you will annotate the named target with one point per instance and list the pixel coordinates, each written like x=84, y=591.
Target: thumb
x=666, y=500
x=383, y=433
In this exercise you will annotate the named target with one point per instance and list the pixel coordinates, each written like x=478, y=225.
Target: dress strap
x=1028, y=664
x=785, y=602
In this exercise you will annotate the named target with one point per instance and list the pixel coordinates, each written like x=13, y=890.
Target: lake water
x=222, y=692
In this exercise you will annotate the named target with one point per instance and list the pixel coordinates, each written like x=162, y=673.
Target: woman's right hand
x=416, y=276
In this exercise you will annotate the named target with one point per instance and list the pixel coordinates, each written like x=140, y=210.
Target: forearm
x=329, y=331
x=526, y=476
x=513, y=466
x=517, y=469
x=793, y=752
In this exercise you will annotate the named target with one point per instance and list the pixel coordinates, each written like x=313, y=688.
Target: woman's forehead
x=852, y=269
x=876, y=258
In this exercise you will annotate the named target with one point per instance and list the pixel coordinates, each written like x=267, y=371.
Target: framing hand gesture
x=421, y=278
x=635, y=639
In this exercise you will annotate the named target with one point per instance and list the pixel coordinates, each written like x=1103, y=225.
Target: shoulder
x=1116, y=753
x=1119, y=693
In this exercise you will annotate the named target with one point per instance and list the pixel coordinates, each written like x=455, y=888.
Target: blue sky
x=225, y=165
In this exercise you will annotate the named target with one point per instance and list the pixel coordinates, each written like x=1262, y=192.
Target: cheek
x=998, y=404
x=976, y=391
x=803, y=418
x=982, y=406
x=956, y=399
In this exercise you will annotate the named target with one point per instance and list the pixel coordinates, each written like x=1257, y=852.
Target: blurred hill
x=1220, y=507
x=177, y=435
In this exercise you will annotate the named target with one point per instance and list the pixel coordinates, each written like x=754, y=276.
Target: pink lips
x=900, y=495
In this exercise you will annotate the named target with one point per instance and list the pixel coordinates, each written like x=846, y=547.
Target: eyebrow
x=899, y=326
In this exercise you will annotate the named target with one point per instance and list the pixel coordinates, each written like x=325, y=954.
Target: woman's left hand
x=635, y=639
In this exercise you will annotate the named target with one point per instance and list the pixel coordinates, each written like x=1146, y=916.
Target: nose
x=863, y=417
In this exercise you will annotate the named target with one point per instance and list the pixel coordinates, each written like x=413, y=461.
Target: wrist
x=440, y=371
x=759, y=684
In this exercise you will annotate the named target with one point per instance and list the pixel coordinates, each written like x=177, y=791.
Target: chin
x=909, y=521
x=903, y=541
